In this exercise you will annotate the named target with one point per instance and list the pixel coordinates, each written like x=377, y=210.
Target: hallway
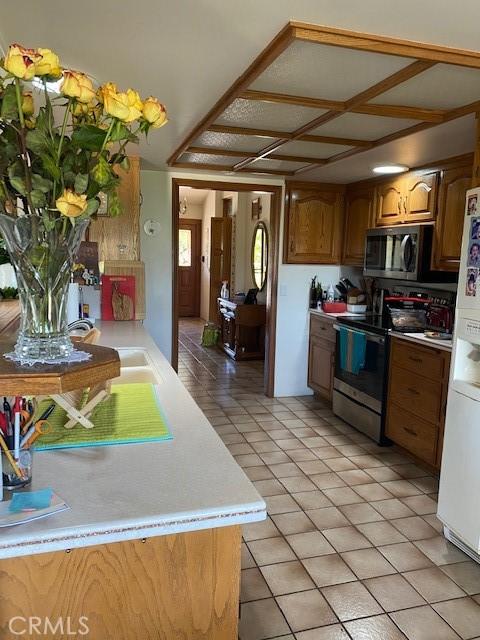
x=352, y=547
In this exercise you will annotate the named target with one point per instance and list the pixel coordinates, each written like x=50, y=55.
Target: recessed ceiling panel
x=444, y=86
x=267, y=115
x=205, y=158
x=362, y=127
x=230, y=141
x=321, y=71
x=277, y=165
x=311, y=149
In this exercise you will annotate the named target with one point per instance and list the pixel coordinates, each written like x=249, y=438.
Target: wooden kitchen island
x=150, y=547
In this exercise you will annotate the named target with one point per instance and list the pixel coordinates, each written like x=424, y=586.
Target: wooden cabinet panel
x=359, y=216
x=420, y=197
x=320, y=366
x=424, y=361
x=119, y=238
x=411, y=432
x=447, y=243
x=423, y=397
x=417, y=392
x=322, y=328
x=313, y=225
x=389, y=202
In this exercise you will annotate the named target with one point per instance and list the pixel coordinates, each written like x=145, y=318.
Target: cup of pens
x=16, y=468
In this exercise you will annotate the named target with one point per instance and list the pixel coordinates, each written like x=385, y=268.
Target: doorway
x=219, y=255
x=189, y=256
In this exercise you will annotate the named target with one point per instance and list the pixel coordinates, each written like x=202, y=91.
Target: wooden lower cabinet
x=321, y=356
x=417, y=396
x=242, y=329
x=169, y=587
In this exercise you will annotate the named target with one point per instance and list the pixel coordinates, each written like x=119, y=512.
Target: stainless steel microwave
x=402, y=253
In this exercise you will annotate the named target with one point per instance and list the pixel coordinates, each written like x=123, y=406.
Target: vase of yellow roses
x=51, y=171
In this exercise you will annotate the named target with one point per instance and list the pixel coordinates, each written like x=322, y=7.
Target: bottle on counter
x=224, y=292
x=330, y=293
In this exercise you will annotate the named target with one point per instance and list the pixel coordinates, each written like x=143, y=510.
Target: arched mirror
x=260, y=255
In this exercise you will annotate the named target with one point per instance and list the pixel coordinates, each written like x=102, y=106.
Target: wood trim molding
x=424, y=56
x=244, y=154
x=390, y=111
x=261, y=62
x=268, y=133
x=273, y=261
x=225, y=167
x=384, y=44
x=412, y=70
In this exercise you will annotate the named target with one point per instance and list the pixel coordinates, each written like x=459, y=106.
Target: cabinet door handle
x=413, y=359
x=410, y=431
x=405, y=205
x=292, y=246
x=413, y=391
x=399, y=205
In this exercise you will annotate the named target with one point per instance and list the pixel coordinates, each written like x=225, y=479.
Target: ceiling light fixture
x=390, y=168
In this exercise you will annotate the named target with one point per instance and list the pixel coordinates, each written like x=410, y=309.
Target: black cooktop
x=368, y=322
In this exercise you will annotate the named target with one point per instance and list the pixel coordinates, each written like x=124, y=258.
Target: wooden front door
x=189, y=254
x=220, y=260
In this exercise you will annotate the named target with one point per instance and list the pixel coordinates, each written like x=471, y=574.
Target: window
x=259, y=255
x=184, y=247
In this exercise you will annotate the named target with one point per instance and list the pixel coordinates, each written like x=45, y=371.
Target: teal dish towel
x=353, y=345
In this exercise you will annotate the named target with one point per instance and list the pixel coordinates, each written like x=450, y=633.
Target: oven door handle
x=371, y=337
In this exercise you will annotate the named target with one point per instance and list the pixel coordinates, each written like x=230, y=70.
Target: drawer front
x=412, y=433
x=322, y=328
x=423, y=397
x=426, y=362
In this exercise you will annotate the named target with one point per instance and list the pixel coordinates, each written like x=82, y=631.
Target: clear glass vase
x=42, y=249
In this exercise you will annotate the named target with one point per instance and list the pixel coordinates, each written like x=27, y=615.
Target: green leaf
x=114, y=204
x=92, y=207
x=9, y=108
x=38, y=198
x=37, y=141
x=89, y=137
x=81, y=183
x=40, y=183
x=15, y=175
x=102, y=172
x=48, y=222
x=50, y=166
x=125, y=163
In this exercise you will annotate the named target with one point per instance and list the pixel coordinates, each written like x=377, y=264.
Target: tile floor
x=351, y=549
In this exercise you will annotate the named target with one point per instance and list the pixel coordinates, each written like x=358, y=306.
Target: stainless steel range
x=360, y=398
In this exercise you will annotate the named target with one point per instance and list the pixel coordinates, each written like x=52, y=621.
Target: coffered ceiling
x=317, y=96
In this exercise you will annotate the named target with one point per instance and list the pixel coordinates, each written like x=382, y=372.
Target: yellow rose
x=70, y=204
x=48, y=65
x=77, y=85
x=154, y=112
x=116, y=105
x=135, y=104
x=108, y=87
x=27, y=104
x=20, y=62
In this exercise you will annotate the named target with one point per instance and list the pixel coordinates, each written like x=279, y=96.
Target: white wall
x=211, y=209
x=292, y=317
x=194, y=212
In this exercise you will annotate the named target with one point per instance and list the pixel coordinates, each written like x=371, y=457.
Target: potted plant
x=54, y=161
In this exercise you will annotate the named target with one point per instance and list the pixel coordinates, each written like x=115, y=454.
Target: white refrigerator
x=459, y=494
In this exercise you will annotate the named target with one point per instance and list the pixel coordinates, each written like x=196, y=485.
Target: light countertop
x=420, y=338
x=124, y=492
x=332, y=316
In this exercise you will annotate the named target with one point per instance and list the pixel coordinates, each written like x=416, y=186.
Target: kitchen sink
x=133, y=357
x=137, y=375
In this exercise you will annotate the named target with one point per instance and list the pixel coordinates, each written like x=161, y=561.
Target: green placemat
x=132, y=413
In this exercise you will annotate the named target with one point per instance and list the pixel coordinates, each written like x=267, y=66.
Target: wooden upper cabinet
x=119, y=238
x=420, y=197
x=313, y=224
x=359, y=216
x=389, y=202
x=447, y=245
